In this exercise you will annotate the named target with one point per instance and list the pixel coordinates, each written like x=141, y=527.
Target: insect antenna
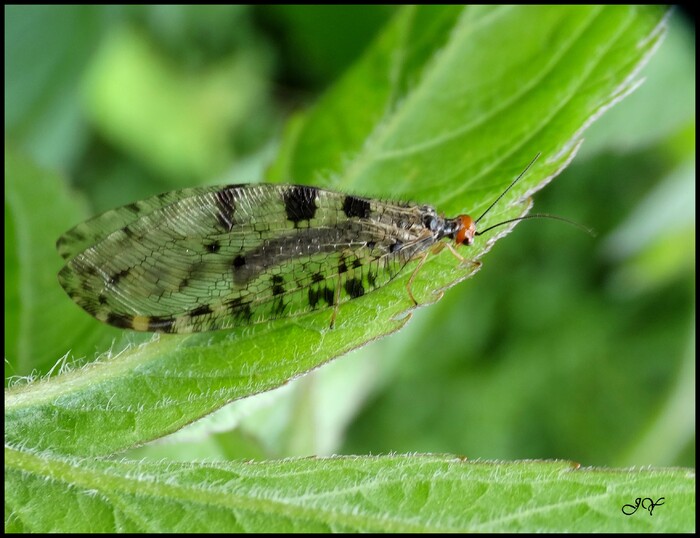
x=581, y=227
x=578, y=225
x=507, y=189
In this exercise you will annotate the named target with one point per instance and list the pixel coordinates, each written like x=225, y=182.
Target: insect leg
x=436, y=250
x=413, y=276
x=457, y=255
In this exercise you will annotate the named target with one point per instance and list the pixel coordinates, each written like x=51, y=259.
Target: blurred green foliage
x=562, y=346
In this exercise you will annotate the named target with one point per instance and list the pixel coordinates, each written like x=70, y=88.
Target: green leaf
x=403, y=493
x=452, y=103
x=427, y=125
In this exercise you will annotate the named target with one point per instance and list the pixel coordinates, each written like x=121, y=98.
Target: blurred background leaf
x=561, y=347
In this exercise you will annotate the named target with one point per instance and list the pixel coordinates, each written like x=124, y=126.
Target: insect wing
x=94, y=230
x=218, y=257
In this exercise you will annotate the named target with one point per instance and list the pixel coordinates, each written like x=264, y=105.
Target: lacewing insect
x=212, y=258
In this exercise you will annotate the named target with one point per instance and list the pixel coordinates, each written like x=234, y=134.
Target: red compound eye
x=467, y=230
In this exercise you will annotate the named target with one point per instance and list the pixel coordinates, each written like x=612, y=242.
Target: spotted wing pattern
x=217, y=257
